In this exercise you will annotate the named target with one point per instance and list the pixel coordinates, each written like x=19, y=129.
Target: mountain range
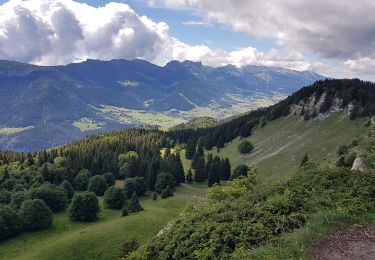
x=45, y=106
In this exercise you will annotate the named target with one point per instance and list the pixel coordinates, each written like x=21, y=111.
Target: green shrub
x=110, y=178
x=114, y=198
x=240, y=170
x=5, y=196
x=84, y=207
x=342, y=149
x=98, y=185
x=17, y=199
x=164, y=181
x=124, y=211
x=136, y=184
x=82, y=180
x=245, y=147
x=68, y=189
x=54, y=197
x=165, y=193
x=35, y=214
x=10, y=222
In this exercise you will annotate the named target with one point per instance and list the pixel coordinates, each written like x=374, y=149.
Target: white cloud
x=197, y=23
x=341, y=30
x=365, y=65
x=51, y=32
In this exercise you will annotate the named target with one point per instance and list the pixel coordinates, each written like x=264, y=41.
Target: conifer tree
x=190, y=150
x=195, y=159
x=209, y=163
x=209, y=142
x=200, y=146
x=220, y=142
x=180, y=170
x=225, y=169
x=214, y=173
x=152, y=172
x=304, y=160
x=189, y=177
x=134, y=205
x=200, y=172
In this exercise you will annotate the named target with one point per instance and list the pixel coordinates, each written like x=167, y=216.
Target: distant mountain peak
x=94, y=95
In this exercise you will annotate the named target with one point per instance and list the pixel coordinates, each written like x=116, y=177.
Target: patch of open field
x=101, y=239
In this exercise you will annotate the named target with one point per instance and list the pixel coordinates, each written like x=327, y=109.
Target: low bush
x=245, y=147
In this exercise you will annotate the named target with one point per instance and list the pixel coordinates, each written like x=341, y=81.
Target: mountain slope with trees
x=58, y=104
x=149, y=162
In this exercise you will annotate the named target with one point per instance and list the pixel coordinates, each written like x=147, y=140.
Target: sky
x=330, y=37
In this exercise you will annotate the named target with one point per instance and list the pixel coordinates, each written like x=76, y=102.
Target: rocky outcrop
x=312, y=107
x=358, y=165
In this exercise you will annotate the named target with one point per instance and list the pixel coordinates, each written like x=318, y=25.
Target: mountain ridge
x=117, y=94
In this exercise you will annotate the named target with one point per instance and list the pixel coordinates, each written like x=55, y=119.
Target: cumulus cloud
x=50, y=32
x=58, y=32
x=341, y=30
x=329, y=27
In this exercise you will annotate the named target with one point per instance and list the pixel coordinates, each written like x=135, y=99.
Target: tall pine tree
x=200, y=171
x=200, y=146
x=214, y=172
x=225, y=169
x=190, y=150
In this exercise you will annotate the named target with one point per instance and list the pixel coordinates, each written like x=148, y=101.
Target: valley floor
x=101, y=239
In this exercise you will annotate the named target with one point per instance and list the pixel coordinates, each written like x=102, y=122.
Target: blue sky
x=214, y=36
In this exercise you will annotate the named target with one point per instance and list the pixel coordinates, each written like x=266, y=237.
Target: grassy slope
x=103, y=238
x=281, y=144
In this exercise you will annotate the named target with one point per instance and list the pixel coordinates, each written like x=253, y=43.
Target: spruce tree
x=195, y=160
x=200, y=147
x=190, y=150
x=180, y=174
x=209, y=163
x=220, y=142
x=225, y=169
x=200, y=171
x=209, y=142
x=189, y=177
x=152, y=172
x=304, y=160
x=214, y=173
x=134, y=205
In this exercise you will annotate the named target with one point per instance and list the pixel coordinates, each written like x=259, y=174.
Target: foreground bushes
x=247, y=214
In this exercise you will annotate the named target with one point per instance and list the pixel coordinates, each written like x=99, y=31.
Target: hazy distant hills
x=42, y=107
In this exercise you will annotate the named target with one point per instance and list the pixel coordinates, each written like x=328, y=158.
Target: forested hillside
x=121, y=170
x=54, y=105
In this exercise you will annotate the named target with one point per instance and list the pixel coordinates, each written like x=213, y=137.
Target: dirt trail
x=350, y=243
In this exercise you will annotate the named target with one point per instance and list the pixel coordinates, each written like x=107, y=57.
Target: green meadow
x=103, y=238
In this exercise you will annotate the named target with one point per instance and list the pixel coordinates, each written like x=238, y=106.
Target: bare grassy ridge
x=281, y=144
